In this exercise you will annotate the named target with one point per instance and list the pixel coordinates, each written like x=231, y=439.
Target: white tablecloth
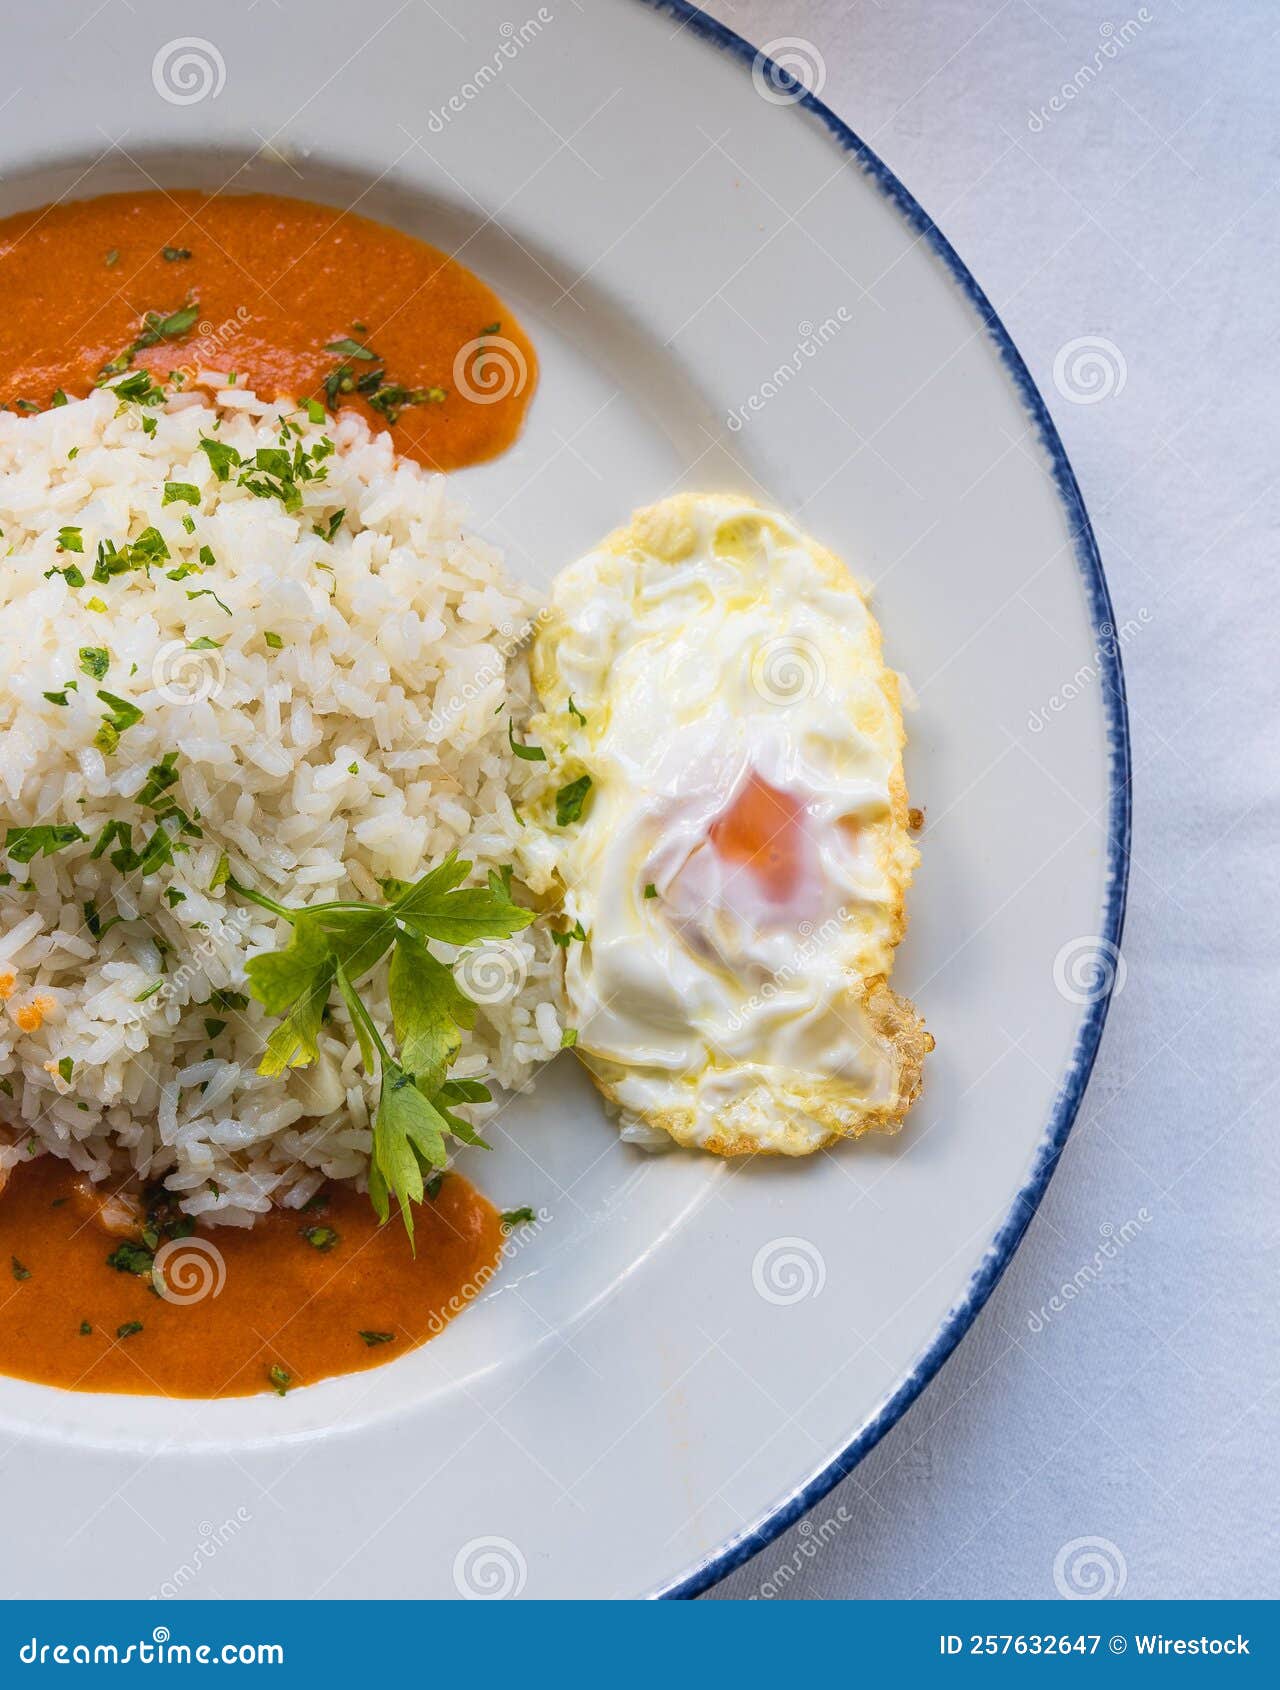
x=1142, y=206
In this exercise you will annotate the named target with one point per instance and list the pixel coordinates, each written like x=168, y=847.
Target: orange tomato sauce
x=282, y=1302
x=275, y=281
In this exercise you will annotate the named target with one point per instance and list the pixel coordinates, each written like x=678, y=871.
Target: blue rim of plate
x=1000, y=1251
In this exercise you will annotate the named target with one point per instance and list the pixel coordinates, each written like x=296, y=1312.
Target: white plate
x=690, y=1352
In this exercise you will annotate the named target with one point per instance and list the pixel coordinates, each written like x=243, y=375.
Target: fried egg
x=726, y=815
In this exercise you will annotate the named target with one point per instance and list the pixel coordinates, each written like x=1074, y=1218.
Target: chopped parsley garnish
x=175, y=254
x=372, y=1338
x=173, y=897
x=570, y=799
x=213, y=1026
x=156, y=327
x=24, y=843
x=204, y=643
x=70, y=540
x=221, y=873
x=85, y=1329
x=180, y=493
x=577, y=931
x=160, y=777
x=140, y=389
x=512, y=1218
x=72, y=575
x=568, y=1038
x=19, y=1272
x=651, y=891
x=528, y=753
x=387, y=398
x=208, y=593
x=576, y=713
x=94, y=922
x=129, y=1330
x=95, y=660
x=327, y=530
x=331, y=948
x=56, y=698
x=222, y=458
x=348, y=348
x=277, y=473
x=119, y=718
x=146, y=552
x=66, y=1067
x=130, y=1257
x=148, y=991
x=280, y=1377
x=113, y=258
x=320, y=1237
x=172, y=325
x=273, y=640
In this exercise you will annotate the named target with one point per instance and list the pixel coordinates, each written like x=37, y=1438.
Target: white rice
x=370, y=744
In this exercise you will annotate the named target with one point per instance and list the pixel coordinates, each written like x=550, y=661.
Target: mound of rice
x=335, y=710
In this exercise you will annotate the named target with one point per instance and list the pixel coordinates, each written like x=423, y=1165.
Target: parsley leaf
x=428, y=1009
x=24, y=843
x=570, y=799
x=223, y=458
x=528, y=753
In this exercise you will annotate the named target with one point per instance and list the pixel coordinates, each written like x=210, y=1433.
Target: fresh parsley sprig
x=333, y=947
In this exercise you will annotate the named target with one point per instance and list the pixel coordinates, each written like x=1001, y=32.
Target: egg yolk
x=763, y=831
